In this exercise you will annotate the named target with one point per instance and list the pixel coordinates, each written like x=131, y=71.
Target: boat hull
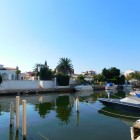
x=116, y=104
x=84, y=88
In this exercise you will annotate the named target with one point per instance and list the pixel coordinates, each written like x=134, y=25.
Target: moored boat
x=98, y=87
x=130, y=103
x=110, y=86
x=83, y=88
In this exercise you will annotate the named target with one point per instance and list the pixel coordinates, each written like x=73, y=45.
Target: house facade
x=8, y=73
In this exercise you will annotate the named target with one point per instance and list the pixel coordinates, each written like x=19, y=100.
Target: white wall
x=47, y=84
x=19, y=84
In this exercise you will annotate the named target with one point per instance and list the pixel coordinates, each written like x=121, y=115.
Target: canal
x=52, y=116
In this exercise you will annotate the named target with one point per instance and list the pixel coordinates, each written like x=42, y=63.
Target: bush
x=45, y=73
x=62, y=79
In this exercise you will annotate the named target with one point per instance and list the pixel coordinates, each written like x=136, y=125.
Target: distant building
x=91, y=72
x=8, y=73
x=28, y=76
x=89, y=75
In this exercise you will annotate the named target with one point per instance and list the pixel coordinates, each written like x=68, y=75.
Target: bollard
x=11, y=114
x=132, y=133
x=17, y=113
x=24, y=119
x=77, y=104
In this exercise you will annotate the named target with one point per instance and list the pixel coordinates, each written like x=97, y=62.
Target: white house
x=8, y=73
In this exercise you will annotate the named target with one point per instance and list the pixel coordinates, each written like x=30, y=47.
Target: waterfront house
x=8, y=73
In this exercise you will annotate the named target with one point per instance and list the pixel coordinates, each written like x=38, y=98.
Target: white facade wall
x=8, y=74
x=19, y=84
x=47, y=84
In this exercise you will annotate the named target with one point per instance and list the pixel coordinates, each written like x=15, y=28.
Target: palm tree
x=64, y=66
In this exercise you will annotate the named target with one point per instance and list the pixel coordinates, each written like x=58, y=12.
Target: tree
x=81, y=79
x=62, y=79
x=134, y=75
x=46, y=73
x=110, y=73
x=98, y=79
x=17, y=73
x=121, y=79
x=45, y=63
x=36, y=70
x=43, y=71
x=113, y=75
x=0, y=79
x=64, y=66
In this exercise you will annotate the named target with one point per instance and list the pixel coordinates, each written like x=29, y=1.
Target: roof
x=8, y=68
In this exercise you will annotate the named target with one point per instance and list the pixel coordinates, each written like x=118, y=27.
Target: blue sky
x=94, y=34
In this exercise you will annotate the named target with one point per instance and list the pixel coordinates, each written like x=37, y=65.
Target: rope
x=43, y=136
x=120, y=115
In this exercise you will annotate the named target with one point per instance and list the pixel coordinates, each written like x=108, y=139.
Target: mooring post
x=17, y=113
x=11, y=113
x=132, y=133
x=77, y=105
x=24, y=119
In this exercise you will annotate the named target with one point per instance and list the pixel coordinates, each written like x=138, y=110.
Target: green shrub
x=62, y=79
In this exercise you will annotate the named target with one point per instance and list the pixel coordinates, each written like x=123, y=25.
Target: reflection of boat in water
x=98, y=87
x=127, y=87
x=127, y=117
x=111, y=91
x=83, y=88
x=130, y=103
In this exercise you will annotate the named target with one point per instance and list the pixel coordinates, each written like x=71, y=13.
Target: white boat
x=137, y=92
x=130, y=103
x=83, y=88
x=110, y=86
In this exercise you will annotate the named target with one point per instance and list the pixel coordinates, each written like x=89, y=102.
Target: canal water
x=52, y=116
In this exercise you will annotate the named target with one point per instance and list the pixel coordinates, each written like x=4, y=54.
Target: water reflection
x=77, y=118
x=43, y=108
x=128, y=117
x=40, y=98
x=58, y=110
x=11, y=133
x=0, y=110
x=115, y=94
x=63, y=109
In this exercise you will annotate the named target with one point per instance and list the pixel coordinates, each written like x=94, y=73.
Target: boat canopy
x=109, y=84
